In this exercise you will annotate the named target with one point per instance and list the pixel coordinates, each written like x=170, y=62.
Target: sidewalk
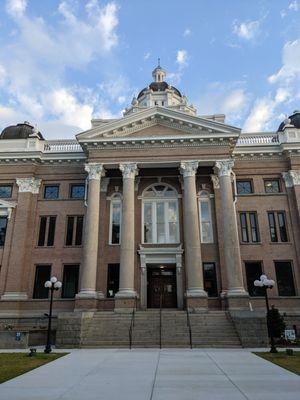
x=153, y=374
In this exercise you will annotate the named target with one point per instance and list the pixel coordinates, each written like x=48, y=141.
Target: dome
x=159, y=87
x=20, y=131
x=293, y=120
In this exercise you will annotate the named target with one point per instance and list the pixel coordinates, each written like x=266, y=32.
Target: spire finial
x=158, y=61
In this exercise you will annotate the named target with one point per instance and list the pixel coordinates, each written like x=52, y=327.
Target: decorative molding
x=104, y=184
x=188, y=168
x=215, y=180
x=291, y=178
x=94, y=170
x=29, y=185
x=6, y=208
x=129, y=170
x=224, y=167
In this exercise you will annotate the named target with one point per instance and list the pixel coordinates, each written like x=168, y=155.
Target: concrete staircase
x=209, y=329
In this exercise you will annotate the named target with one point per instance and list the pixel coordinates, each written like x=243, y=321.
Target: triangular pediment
x=158, y=122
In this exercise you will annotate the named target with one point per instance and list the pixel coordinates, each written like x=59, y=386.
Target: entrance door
x=161, y=283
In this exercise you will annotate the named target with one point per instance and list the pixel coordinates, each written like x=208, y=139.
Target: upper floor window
x=3, y=224
x=244, y=187
x=51, y=192
x=249, y=227
x=277, y=226
x=47, y=231
x=5, y=191
x=77, y=191
x=74, y=230
x=272, y=186
x=160, y=214
x=115, y=219
x=205, y=218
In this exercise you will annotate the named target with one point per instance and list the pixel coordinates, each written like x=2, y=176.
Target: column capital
x=224, y=167
x=129, y=170
x=215, y=181
x=94, y=170
x=29, y=185
x=188, y=168
x=291, y=178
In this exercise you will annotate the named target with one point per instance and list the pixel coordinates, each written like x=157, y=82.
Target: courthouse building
x=162, y=204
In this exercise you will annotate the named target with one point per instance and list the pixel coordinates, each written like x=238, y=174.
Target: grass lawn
x=14, y=364
x=291, y=363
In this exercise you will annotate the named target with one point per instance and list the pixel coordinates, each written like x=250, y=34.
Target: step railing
x=188, y=322
x=130, y=333
x=160, y=317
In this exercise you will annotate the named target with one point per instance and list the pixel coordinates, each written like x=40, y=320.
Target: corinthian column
x=22, y=238
x=192, y=245
x=232, y=256
x=127, y=248
x=91, y=234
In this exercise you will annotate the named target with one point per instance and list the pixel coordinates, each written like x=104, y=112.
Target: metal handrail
x=132, y=322
x=188, y=322
x=160, y=317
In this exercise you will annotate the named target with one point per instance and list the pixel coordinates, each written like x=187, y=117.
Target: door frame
x=161, y=255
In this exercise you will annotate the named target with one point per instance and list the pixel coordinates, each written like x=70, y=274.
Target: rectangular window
x=74, y=230
x=253, y=272
x=5, y=191
x=51, y=192
x=115, y=217
x=277, y=226
x=42, y=274
x=113, y=276
x=3, y=225
x=244, y=187
x=205, y=220
x=70, y=281
x=272, y=227
x=77, y=191
x=254, y=227
x=284, y=278
x=249, y=227
x=47, y=231
x=244, y=227
x=210, y=279
x=272, y=186
x=282, y=227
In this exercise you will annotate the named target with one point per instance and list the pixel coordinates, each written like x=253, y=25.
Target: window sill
x=44, y=247
x=114, y=244
x=280, y=243
x=250, y=243
x=80, y=246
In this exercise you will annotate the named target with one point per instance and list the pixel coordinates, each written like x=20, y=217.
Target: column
x=91, y=235
x=22, y=238
x=292, y=180
x=232, y=256
x=193, y=259
x=127, y=248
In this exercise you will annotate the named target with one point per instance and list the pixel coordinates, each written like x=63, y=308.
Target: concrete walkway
x=153, y=374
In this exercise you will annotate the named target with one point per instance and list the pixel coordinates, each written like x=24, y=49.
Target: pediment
x=158, y=122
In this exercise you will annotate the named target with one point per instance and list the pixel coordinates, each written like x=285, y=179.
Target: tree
x=276, y=324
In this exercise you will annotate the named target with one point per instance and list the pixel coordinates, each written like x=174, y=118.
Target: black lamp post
x=52, y=285
x=266, y=284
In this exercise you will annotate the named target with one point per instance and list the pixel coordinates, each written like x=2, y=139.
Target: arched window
x=115, y=219
x=205, y=218
x=160, y=214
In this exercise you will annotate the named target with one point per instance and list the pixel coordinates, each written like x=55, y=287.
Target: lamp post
x=52, y=285
x=266, y=284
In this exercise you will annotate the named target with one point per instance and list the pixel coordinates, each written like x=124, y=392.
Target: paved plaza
x=154, y=374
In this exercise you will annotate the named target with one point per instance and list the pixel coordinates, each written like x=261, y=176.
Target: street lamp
x=266, y=284
x=52, y=285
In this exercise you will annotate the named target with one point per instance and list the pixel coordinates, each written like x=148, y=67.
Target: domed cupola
x=160, y=93
x=293, y=121
x=21, y=131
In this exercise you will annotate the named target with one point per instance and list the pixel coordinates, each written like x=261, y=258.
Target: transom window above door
x=160, y=214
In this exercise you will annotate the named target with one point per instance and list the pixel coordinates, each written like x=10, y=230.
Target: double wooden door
x=161, y=284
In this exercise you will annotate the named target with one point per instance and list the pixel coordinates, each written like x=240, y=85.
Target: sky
x=64, y=62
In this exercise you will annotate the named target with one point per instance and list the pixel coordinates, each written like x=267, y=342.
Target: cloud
x=246, y=30
x=181, y=58
x=234, y=101
x=291, y=63
x=187, y=32
x=147, y=55
x=294, y=5
x=260, y=115
x=16, y=8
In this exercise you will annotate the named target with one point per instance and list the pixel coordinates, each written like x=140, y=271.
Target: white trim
x=116, y=198
x=207, y=200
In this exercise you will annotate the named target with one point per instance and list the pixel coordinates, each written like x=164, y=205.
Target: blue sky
x=63, y=62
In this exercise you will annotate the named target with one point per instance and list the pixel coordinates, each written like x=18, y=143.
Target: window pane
x=272, y=186
x=42, y=274
x=113, y=276
x=77, y=191
x=204, y=211
x=160, y=223
x=116, y=221
x=51, y=192
x=5, y=191
x=148, y=222
x=244, y=228
x=42, y=232
x=3, y=225
x=51, y=231
x=172, y=211
x=253, y=272
x=282, y=227
x=173, y=232
x=70, y=281
x=79, y=230
x=210, y=279
x=284, y=278
x=254, y=227
x=244, y=187
x=70, y=228
x=272, y=227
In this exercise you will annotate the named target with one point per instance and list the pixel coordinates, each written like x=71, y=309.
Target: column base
x=126, y=294
x=89, y=294
x=13, y=296
x=197, y=292
x=238, y=301
x=196, y=300
x=124, y=305
x=85, y=304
